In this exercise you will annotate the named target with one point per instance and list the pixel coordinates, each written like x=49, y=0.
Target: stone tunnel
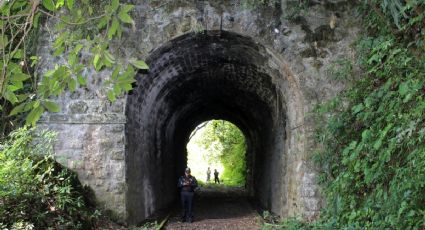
x=194, y=78
x=252, y=67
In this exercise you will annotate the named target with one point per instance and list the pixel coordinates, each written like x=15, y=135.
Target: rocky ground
x=223, y=208
x=215, y=207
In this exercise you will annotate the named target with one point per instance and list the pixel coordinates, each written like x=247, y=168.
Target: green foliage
x=373, y=158
x=374, y=150
x=404, y=15
x=402, y=19
x=234, y=162
x=148, y=226
x=82, y=34
x=226, y=142
x=372, y=154
x=35, y=190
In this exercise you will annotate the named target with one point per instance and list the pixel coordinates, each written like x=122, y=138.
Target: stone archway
x=195, y=77
x=264, y=58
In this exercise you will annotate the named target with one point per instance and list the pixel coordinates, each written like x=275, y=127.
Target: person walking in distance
x=216, y=180
x=187, y=184
x=208, y=174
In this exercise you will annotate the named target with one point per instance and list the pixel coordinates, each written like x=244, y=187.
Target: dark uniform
x=187, y=185
x=216, y=180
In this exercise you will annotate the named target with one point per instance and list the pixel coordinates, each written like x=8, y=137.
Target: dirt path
x=224, y=209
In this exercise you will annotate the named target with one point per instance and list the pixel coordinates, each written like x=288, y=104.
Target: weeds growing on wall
x=35, y=191
x=373, y=145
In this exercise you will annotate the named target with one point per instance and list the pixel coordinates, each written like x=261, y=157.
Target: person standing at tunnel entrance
x=216, y=180
x=187, y=185
x=208, y=174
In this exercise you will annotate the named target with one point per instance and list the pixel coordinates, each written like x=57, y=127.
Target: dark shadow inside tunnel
x=194, y=78
x=218, y=205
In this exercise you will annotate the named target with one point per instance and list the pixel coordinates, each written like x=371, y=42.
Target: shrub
x=37, y=191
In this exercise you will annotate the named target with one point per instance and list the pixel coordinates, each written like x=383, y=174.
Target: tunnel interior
x=191, y=79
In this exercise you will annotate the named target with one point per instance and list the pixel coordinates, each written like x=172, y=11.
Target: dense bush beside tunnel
x=374, y=149
x=373, y=155
x=35, y=191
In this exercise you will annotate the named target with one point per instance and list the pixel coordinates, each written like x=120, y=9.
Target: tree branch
x=72, y=23
x=14, y=16
x=197, y=129
x=26, y=28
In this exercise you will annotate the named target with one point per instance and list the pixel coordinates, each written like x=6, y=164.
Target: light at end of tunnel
x=197, y=157
x=198, y=163
x=219, y=145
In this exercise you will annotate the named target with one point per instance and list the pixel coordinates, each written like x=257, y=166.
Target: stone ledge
x=107, y=118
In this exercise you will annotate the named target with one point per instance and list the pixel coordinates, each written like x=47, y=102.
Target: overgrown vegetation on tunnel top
x=372, y=147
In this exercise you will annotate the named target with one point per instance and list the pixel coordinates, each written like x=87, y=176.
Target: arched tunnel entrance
x=198, y=77
x=216, y=155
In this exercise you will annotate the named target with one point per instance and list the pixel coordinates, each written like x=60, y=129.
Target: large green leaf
x=113, y=29
x=103, y=22
x=114, y=5
x=81, y=80
x=60, y=3
x=96, y=60
x=72, y=84
x=17, y=109
x=13, y=88
x=10, y=96
x=109, y=57
x=127, y=87
x=139, y=64
x=59, y=51
x=19, y=54
x=125, y=18
x=114, y=75
x=123, y=14
x=51, y=106
x=70, y=4
x=34, y=115
x=117, y=89
x=111, y=95
x=126, y=8
x=72, y=58
x=20, y=77
x=49, y=4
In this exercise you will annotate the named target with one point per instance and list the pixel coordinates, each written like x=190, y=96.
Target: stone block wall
x=95, y=152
